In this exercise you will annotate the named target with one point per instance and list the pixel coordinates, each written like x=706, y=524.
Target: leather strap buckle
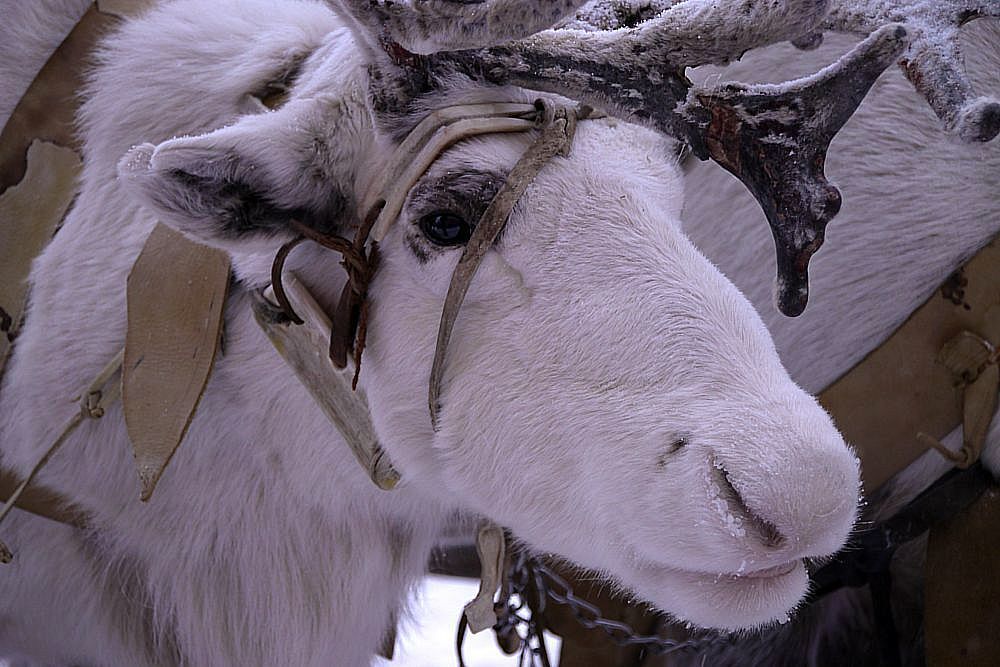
x=972, y=361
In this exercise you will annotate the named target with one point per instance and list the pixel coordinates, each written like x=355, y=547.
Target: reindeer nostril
x=770, y=535
x=766, y=531
x=663, y=457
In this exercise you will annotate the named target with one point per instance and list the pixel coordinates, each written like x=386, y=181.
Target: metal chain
x=521, y=613
x=520, y=616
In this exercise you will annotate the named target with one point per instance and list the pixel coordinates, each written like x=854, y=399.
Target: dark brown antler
x=933, y=61
x=773, y=138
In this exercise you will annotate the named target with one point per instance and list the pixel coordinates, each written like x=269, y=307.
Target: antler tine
x=604, y=15
x=933, y=62
x=430, y=26
x=639, y=72
x=700, y=32
x=775, y=139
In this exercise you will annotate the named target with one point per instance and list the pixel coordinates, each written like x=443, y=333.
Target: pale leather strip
x=900, y=389
x=555, y=138
x=403, y=155
x=445, y=137
x=41, y=501
x=176, y=296
x=491, y=547
x=304, y=349
x=28, y=221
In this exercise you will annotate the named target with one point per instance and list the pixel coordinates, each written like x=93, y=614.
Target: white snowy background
x=427, y=638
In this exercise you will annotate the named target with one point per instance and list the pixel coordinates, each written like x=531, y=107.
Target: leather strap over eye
x=412, y=159
x=558, y=125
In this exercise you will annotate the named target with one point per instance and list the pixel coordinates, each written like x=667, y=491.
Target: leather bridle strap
x=418, y=151
x=383, y=202
x=558, y=125
x=424, y=144
x=40, y=501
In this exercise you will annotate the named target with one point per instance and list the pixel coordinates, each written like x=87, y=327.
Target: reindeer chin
x=729, y=601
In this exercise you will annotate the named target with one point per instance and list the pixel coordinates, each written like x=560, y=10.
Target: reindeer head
x=606, y=393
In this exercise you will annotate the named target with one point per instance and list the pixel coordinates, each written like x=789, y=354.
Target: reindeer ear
x=237, y=187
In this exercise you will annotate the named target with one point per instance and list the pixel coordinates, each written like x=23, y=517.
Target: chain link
x=590, y=617
x=521, y=613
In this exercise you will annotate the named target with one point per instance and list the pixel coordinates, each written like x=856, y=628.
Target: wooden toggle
x=491, y=549
x=304, y=349
x=972, y=360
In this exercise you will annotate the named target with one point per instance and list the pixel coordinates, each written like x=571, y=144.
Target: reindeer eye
x=445, y=228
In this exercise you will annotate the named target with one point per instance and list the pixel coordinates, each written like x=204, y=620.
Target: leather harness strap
x=39, y=148
x=41, y=502
x=175, y=296
x=558, y=127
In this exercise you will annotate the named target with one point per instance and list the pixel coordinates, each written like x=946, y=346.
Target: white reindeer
x=608, y=395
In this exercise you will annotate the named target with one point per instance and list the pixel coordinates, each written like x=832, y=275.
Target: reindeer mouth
x=728, y=601
x=739, y=576
x=767, y=573
x=759, y=587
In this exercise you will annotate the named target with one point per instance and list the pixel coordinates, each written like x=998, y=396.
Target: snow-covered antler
x=629, y=58
x=430, y=26
x=933, y=61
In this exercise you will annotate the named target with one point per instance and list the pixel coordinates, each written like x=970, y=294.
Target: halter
x=387, y=194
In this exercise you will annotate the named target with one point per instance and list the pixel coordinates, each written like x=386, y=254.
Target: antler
x=773, y=138
x=628, y=58
x=933, y=61
x=431, y=26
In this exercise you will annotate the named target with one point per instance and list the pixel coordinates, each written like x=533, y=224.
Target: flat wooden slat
x=30, y=213
x=176, y=294
x=962, y=593
x=901, y=389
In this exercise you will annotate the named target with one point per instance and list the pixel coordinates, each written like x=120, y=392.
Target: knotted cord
x=350, y=319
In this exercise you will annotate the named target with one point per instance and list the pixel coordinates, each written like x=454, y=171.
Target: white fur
x=594, y=336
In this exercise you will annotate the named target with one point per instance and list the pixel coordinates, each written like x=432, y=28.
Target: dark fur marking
x=394, y=89
x=629, y=17
x=275, y=92
x=240, y=209
x=466, y=192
